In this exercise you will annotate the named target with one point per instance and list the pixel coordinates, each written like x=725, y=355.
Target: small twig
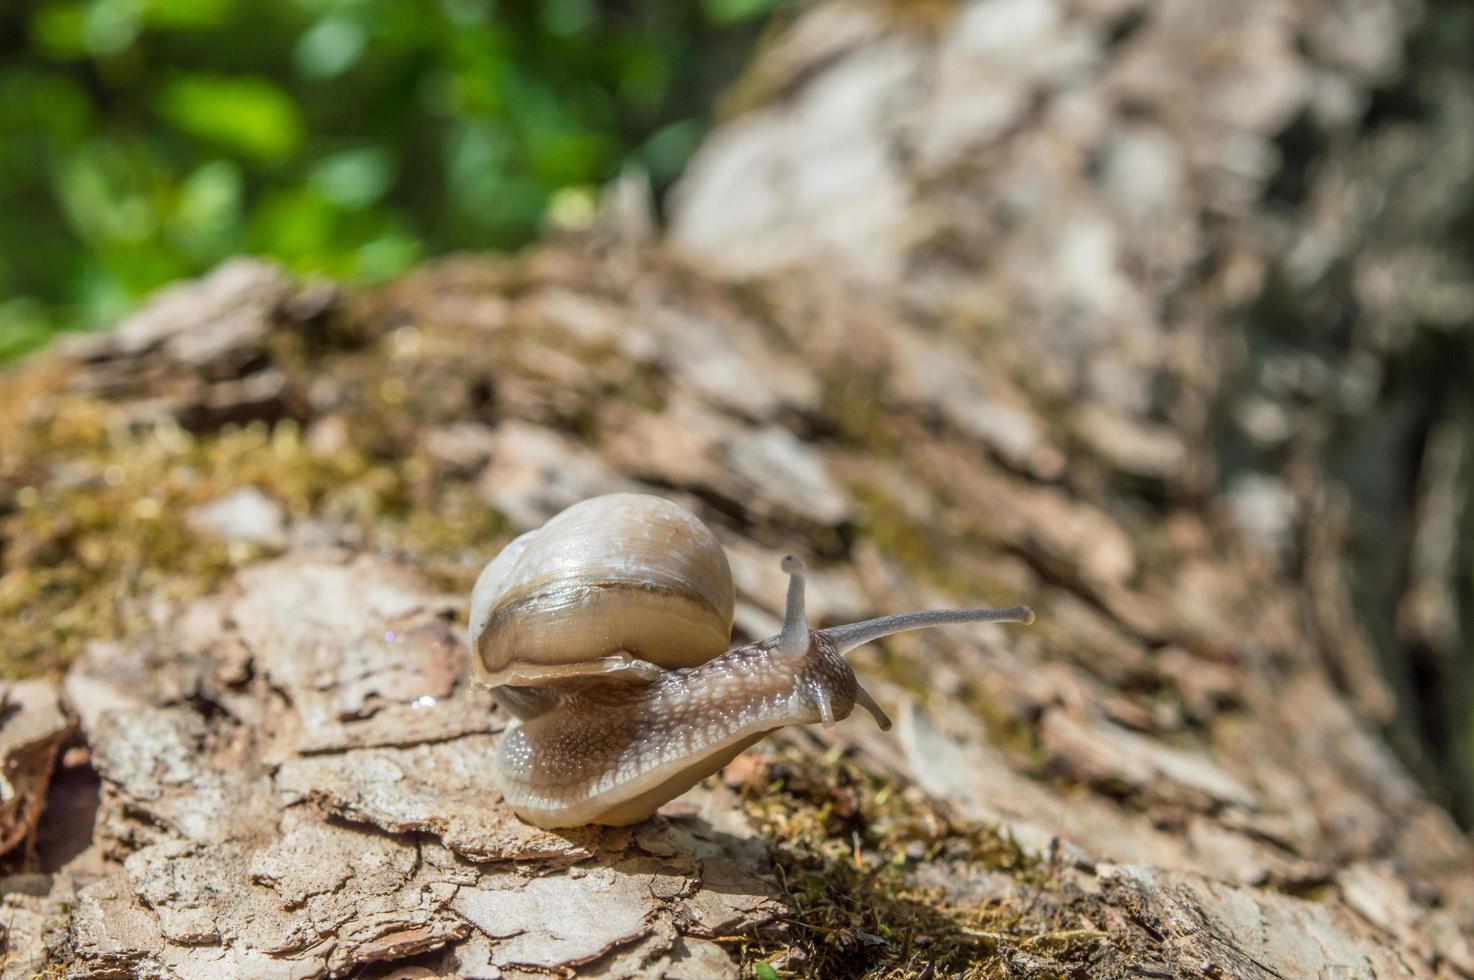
x=1056, y=847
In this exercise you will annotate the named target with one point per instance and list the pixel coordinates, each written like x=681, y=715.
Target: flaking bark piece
x=222, y=317
x=35, y=929
x=1207, y=928
x=32, y=729
x=362, y=652
x=444, y=789
x=560, y=919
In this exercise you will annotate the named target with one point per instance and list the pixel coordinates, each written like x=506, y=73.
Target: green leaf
x=25, y=324
x=187, y=15
x=248, y=115
x=329, y=48
x=644, y=79
x=294, y=225
x=385, y=257
x=107, y=194
x=764, y=972
x=573, y=207
x=101, y=295
x=735, y=11
x=567, y=156
x=60, y=30
x=40, y=108
x=569, y=17
x=466, y=13
x=666, y=153
x=111, y=26
x=354, y=178
x=206, y=217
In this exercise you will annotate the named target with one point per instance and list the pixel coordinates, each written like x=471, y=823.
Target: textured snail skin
x=639, y=744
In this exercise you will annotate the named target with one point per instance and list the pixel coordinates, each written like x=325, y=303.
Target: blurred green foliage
x=145, y=140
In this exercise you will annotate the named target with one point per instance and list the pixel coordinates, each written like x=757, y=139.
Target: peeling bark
x=33, y=727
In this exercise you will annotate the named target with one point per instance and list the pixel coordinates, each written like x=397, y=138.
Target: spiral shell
x=613, y=583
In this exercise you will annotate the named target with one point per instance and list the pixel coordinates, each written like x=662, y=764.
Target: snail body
x=605, y=634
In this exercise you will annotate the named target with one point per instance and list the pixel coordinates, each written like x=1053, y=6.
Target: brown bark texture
x=954, y=305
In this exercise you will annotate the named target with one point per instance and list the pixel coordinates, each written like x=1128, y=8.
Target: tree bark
x=955, y=305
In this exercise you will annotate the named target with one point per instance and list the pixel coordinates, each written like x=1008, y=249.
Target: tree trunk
x=967, y=304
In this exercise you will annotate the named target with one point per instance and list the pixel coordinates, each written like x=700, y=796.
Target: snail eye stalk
x=847, y=638
x=794, y=640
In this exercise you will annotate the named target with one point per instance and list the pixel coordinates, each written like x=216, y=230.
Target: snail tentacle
x=864, y=700
x=847, y=638
x=795, y=636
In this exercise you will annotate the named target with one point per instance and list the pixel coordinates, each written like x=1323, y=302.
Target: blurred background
x=142, y=141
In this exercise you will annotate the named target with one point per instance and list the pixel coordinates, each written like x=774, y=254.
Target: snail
x=605, y=636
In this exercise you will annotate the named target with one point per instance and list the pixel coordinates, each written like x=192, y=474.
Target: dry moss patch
x=94, y=509
x=884, y=883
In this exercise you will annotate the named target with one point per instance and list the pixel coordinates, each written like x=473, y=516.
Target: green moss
x=848, y=850
x=920, y=551
x=859, y=418
x=93, y=514
x=1005, y=729
x=882, y=520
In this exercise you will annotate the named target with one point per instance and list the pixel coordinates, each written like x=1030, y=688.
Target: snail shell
x=610, y=581
x=605, y=634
